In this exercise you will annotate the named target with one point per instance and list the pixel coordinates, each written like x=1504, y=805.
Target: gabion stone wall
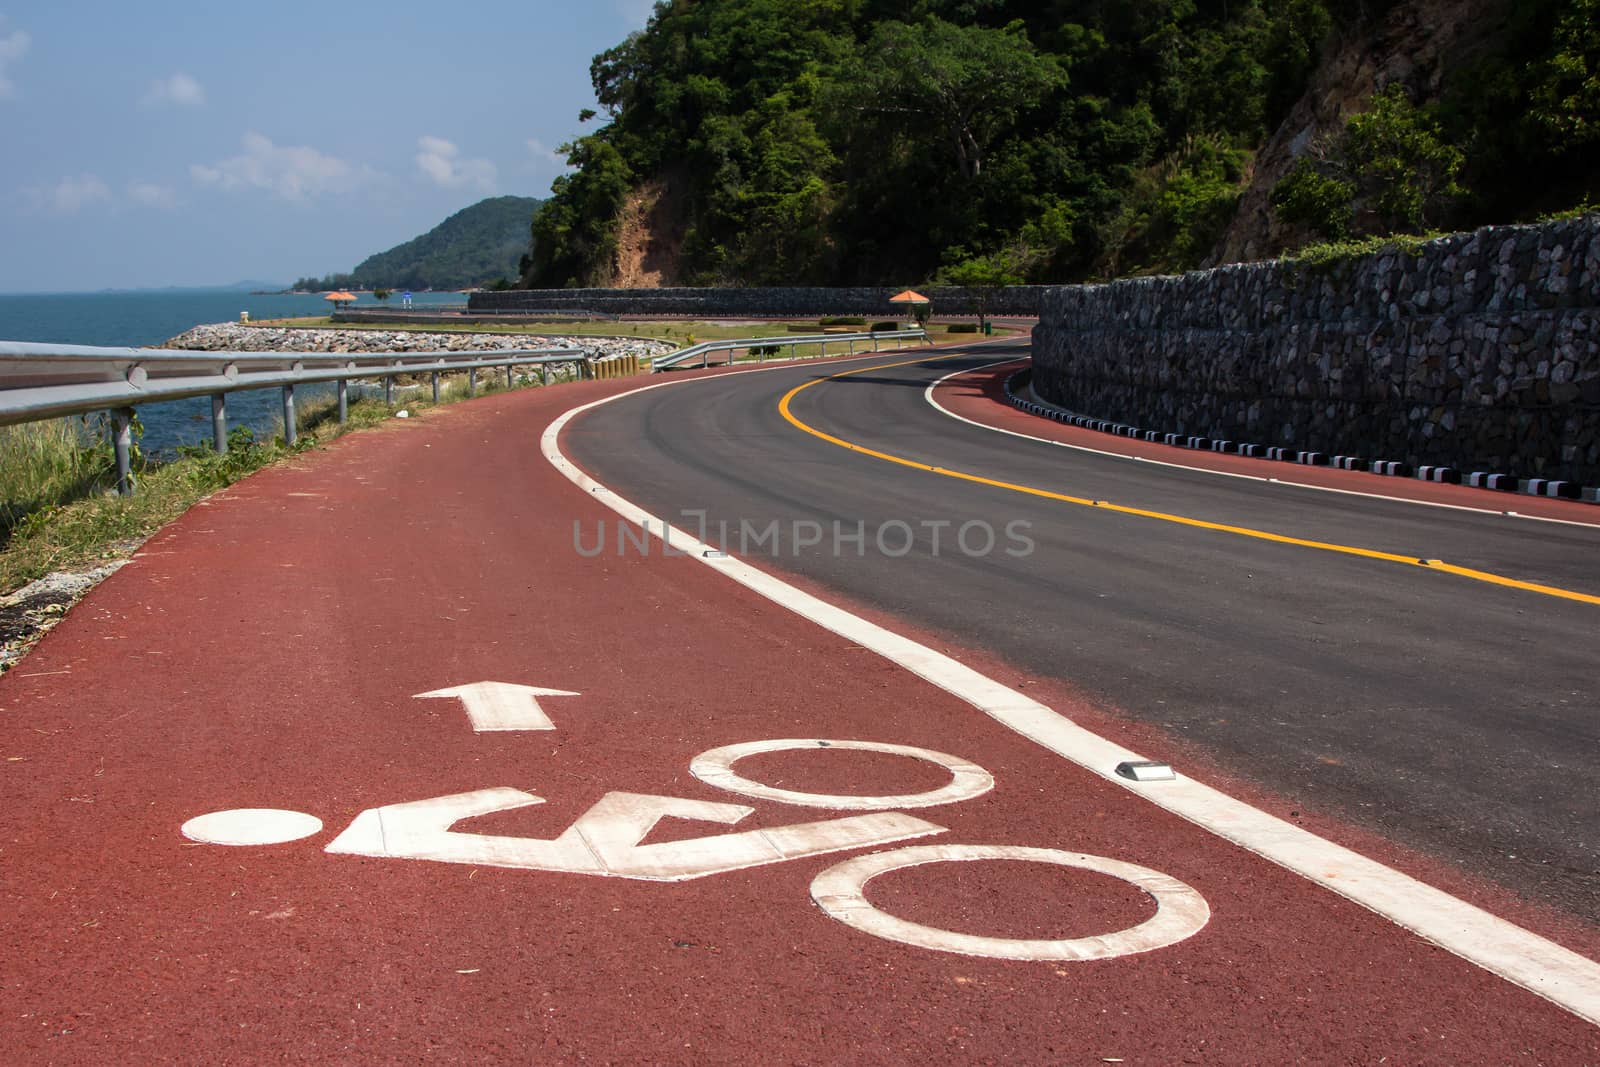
x=1480, y=352
x=871, y=302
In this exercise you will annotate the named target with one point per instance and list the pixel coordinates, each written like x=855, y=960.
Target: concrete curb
x=1505, y=483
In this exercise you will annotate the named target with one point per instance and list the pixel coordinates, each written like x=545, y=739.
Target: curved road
x=1452, y=715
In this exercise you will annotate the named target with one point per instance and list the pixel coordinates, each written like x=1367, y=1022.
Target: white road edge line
x=928, y=395
x=1535, y=963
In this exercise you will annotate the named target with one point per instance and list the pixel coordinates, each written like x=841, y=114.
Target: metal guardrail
x=763, y=344
x=43, y=381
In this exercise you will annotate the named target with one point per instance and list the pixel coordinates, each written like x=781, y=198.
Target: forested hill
x=475, y=246
x=889, y=141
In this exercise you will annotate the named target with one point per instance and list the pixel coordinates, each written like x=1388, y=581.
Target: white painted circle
x=967, y=780
x=251, y=826
x=1181, y=912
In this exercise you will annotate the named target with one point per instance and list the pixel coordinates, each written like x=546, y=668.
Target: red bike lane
x=284, y=645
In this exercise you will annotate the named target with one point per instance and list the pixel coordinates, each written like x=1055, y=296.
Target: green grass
x=43, y=464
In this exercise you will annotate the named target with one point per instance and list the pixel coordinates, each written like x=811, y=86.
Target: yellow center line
x=787, y=412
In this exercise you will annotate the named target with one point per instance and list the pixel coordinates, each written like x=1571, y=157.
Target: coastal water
x=150, y=317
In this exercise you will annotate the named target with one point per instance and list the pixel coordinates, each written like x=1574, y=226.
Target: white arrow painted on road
x=501, y=705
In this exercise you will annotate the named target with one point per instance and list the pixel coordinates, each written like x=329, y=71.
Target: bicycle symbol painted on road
x=607, y=839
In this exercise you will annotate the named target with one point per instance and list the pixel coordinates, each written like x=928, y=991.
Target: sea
x=136, y=318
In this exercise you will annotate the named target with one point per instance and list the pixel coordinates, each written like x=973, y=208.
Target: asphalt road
x=1450, y=715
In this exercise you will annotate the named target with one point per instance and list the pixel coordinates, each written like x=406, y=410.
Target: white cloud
x=151, y=195
x=287, y=171
x=440, y=161
x=71, y=194
x=13, y=46
x=180, y=90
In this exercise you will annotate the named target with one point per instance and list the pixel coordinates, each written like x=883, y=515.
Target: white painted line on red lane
x=607, y=839
x=1180, y=911
x=928, y=395
x=967, y=779
x=1535, y=963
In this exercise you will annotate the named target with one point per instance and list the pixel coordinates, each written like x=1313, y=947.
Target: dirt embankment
x=650, y=232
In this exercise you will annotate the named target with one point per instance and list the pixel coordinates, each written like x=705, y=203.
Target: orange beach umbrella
x=909, y=296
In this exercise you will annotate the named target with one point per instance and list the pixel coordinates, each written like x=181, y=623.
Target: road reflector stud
x=1145, y=771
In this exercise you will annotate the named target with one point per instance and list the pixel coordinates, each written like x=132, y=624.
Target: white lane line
x=1535, y=963
x=928, y=395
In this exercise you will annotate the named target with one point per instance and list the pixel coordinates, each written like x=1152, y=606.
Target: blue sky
x=167, y=143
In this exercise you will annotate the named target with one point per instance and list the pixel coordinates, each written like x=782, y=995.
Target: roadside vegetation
x=880, y=143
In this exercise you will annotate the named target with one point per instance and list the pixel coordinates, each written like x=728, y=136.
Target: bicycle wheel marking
x=967, y=779
x=608, y=840
x=840, y=891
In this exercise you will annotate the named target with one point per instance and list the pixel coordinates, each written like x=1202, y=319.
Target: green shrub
x=843, y=320
x=962, y=327
x=1330, y=255
x=1389, y=171
x=1321, y=203
x=885, y=327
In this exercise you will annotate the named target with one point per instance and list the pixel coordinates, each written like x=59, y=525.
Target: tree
x=1405, y=173
x=983, y=274
x=381, y=295
x=1566, y=101
x=969, y=82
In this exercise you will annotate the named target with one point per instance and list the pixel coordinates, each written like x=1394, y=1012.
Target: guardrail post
x=544, y=374
x=343, y=388
x=435, y=377
x=388, y=389
x=472, y=381
x=509, y=383
x=705, y=359
x=852, y=346
x=219, y=423
x=122, y=444
x=823, y=354
x=288, y=415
